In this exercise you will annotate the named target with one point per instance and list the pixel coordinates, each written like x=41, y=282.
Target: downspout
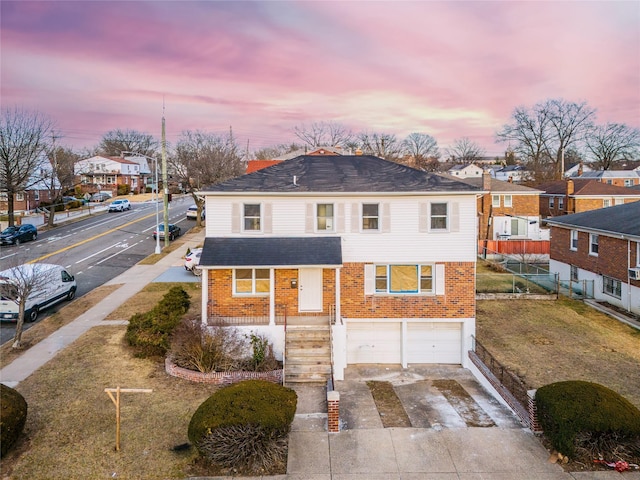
x=628, y=278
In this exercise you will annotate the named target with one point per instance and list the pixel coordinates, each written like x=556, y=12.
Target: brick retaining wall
x=221, y=378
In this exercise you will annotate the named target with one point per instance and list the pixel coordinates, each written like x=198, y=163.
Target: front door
x=310, y=290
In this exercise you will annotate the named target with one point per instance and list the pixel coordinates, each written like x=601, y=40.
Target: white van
x=51, y=284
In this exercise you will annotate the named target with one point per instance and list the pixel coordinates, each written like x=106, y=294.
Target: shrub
x=570, y=409
x=150, y=332
x=13, y=415
x=123, y=189
x=263, y=357
x=244, y=426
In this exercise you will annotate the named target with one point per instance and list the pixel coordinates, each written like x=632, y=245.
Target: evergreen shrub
x=13, y=415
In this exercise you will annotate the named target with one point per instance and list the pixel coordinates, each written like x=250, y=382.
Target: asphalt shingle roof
x=345, y=173
x=617, y=220
x=271, y=251
x=586, y=188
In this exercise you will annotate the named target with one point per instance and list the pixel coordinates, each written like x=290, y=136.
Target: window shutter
x=355, y=218
x=266, y=217
x=423, y=217
x=369, y=279
x=340, y=218
x=455, y=217
x=309, y=219
x=386, y=218
x=440, y=279
x=235, y=218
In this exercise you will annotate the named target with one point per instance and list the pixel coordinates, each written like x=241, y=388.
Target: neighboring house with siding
x=104, y=174
x=602, y=246
x=379, y=256
x=469, y=170
x=564, y=197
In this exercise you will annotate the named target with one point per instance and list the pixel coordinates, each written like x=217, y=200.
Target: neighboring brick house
x=564, y=197
x=42, y=188
x=104, y=174
x=619, y=178
x=507, y=210
x=602, y=246
x=383, y=253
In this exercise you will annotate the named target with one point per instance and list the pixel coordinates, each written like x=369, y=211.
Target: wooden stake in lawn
x=116, y=401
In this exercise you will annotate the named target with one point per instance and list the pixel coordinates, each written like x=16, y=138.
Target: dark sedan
x=16, y=235
x=174, y=231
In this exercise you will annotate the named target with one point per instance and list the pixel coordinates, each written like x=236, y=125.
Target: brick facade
x=221, y=378
x=522, y=206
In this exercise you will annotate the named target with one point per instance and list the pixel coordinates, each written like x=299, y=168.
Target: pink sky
x=448, y=69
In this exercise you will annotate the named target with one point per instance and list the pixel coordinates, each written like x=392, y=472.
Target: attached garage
x=424, y=342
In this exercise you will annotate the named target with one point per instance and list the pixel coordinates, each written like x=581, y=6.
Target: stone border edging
x=221, y=378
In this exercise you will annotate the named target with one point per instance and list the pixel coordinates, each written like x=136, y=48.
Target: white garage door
x=374, y=342
x=434, y=343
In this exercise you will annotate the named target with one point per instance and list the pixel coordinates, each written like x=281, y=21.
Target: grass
x=391, y=411
x=551, y=341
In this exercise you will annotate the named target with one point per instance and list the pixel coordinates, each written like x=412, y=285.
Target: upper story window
x=251, y=281
x=628, y=182
x=618, y=201
x=593, y=244
x=20, y=197
x=561, y=203
x=324, y=217
x=508, y=201
x=251, y=217
x=404, y=279
x=551, y=202
x=439, y=216
x=495, y=201
x=609, y=181
x=606, y=202
x=574, y=240
x=370, y=216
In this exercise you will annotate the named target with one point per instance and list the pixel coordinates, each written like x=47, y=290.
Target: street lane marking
x=97, y=253
x=87, y=240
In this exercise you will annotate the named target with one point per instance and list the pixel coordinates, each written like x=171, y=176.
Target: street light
x=158, y=249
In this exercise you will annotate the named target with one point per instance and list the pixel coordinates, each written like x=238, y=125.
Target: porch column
x=205, y=295
x=272, y=297
x=338, y=311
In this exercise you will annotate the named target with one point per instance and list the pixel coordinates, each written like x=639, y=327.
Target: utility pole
x=165, y=182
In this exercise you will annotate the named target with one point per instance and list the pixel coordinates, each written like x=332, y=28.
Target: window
x=20, y=197
x=628, y=182
x=561, y=203
x=439, y=216
x=324, y=217
x=619, y=201
x=508, y=201
x=404, y=279
x=36, y=195
x=252, y=217
x=519, y=227
x=370, y=218
x=495, y=201
x=593, y=244
x=606, y=202
x=609, y=181
x=551, y=202
x=251, y=281
x=574, y=273
x=574, y=240
x=612, y=287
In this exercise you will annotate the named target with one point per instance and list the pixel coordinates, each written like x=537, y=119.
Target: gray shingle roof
x=271, y=251
x=346, y=173
x=617, y=220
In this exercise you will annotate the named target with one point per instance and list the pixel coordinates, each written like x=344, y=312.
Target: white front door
x=310, y=290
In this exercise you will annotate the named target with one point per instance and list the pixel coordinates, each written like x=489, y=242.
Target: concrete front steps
x=307, y=354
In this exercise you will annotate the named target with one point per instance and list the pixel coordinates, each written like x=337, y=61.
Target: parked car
x=174, y=231
x=99, y=197
x=192, y=212
x=120, y=205
x=51, y=284
x=192, y=260
x=16, y=235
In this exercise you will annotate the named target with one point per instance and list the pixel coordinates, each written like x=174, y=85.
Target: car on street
x=192, y=260
x=99, y=197
x=192, y=212
x=174, y=231
x=17, y=234
x=120, y=205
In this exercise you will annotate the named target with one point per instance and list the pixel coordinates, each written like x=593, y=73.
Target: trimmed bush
x=150, y=332
x=572, y=408
x=245, y=426
x=13, y=415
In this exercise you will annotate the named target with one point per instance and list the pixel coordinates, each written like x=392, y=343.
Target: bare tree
x=24, y=137
x=613, y=142
x=58, y=176
x=323, y=134
x=201, y=159
x=383, y=145
x=464, y=150
x=421, y=148
x=22, y=281
x=115, y=142
x=269, y=153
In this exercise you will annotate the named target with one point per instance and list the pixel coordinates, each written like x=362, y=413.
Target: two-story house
x=564, y=197
x=620, y=178
x=602, y=246
x=465, y=170
x=105, y=174
x=379, y=256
